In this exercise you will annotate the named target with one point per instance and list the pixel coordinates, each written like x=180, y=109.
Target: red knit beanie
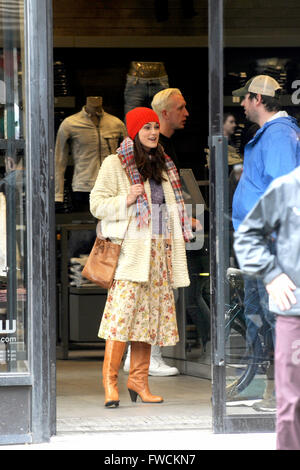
x=137, y=118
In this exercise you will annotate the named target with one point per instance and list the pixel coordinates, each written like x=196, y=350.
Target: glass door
x=244, y=43
x=192, y=355
x=240, y=365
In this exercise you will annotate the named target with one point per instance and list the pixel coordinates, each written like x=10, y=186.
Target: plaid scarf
x=126, y=156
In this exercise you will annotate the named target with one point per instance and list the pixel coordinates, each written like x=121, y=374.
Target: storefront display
x=13, y=247
x=13, y=323
x=2, y=235
x=35, y=266
x=144, y=80
x=89, y=136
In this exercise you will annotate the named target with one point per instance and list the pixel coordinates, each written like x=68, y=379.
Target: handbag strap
x=102, y=238
x=130, y=218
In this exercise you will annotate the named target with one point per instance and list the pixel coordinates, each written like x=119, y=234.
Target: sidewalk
x=182, y=422
x=155, y=440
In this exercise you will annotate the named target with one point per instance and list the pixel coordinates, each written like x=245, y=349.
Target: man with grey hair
x=170, y=106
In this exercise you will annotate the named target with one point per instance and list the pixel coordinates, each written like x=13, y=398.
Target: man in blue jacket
x=273, y=152
x=275, y=149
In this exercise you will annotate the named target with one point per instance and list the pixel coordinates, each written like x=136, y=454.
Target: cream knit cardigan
x=108, y=202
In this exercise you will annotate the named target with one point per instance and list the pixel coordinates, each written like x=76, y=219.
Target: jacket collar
x=288, y=120
x=87, y=115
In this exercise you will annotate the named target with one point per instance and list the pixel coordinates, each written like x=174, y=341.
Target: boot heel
x=112, y=404
x=133, y=395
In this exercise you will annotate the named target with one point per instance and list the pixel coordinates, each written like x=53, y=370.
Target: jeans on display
x=256, y=309
x=257, y=314
x=196, y=305
x=140, y=91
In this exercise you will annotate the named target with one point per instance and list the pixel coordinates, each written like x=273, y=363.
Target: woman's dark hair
x=226, y=116
x=150, y=164
x=270, y=103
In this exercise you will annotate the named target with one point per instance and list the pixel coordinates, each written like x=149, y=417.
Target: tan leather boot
x=114, y=351
x=138, y=374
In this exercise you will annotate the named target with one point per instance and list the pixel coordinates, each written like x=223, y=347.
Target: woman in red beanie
x=138, y=198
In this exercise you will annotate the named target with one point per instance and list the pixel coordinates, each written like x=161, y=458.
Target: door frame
x=29, y=398
x=41, y=214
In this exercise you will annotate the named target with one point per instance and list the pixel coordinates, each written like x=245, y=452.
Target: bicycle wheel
x=240, y=357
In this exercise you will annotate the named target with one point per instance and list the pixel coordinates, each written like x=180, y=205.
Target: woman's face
x=149, y=135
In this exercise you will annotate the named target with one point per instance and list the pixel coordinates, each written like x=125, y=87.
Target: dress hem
x=141, y=340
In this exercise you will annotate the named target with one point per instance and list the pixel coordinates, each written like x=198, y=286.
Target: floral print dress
x=144, y=311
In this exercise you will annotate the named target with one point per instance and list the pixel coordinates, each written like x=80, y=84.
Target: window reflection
x=13, y=307
x=197, y=295
x=249, y=346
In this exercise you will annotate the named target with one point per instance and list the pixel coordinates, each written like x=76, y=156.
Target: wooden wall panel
x=243, y=19
x=127, y=17
x=268, y=17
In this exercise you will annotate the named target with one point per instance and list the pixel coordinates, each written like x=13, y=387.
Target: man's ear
x=164, y=114
x=258, y=98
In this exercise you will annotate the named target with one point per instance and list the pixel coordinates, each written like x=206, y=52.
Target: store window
x=13, y=250
x=249, y=325
x=246, y=160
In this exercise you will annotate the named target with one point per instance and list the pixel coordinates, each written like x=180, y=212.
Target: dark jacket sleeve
x=252, y=246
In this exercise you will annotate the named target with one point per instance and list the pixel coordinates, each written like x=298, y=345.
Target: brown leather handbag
x=102, y=262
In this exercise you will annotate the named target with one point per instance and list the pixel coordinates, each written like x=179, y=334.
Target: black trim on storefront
x=41, y=214
x=250, y=423
x=29, y=399
x=215, y=15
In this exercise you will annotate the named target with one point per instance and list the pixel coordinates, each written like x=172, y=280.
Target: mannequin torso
x=89, y=136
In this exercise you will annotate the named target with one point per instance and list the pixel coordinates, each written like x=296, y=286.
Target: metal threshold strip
x=136, y=423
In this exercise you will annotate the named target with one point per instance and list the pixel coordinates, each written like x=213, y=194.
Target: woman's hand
x=195, y=224
x=135, y=191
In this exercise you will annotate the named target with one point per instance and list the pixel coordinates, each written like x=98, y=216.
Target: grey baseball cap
x=262, y=84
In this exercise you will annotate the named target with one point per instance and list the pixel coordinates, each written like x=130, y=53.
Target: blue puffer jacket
x=274, y=151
